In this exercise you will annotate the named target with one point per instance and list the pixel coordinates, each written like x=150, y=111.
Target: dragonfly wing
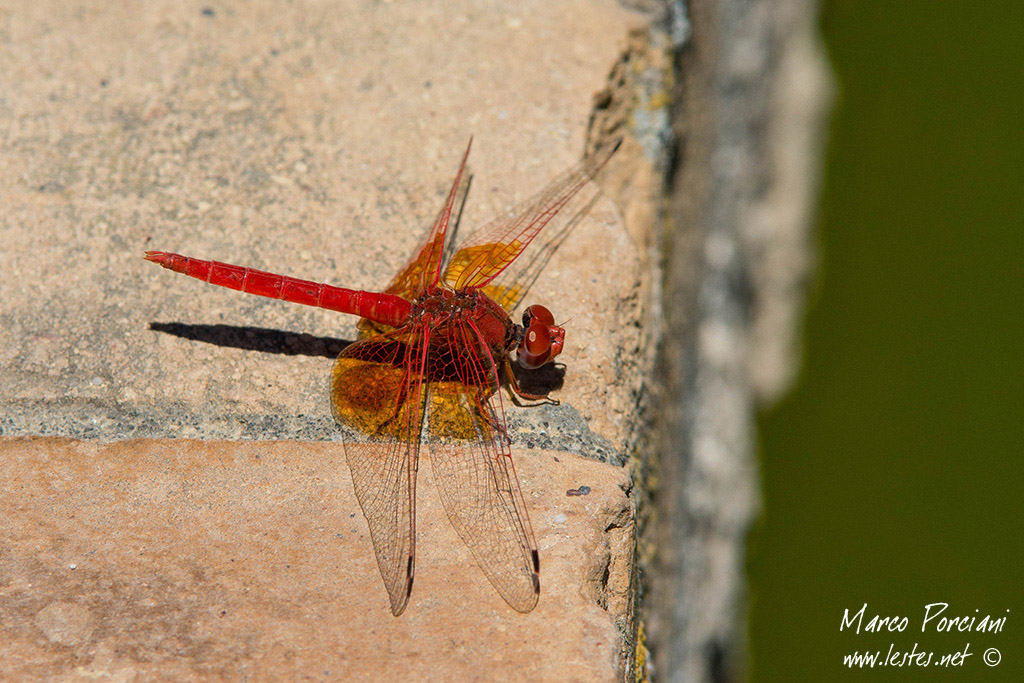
x=473, y=472
x=490, y=249
x=377, y=389
x=510, y=287
x=424, y=268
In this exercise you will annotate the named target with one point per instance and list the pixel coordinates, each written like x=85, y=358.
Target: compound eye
x=535, y=349
x=537, y=312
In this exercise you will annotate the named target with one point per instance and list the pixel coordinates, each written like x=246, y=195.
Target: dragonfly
x=434, y=348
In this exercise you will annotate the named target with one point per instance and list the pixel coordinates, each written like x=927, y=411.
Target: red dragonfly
x=434, y=348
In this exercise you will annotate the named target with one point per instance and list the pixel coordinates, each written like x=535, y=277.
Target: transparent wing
x=510, y=287
x=472, y=465
x=377, y=389
x=424, y=267
x=490, y=249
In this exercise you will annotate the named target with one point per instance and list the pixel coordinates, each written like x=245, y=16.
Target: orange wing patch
x=454, y=413
x=368, y=397
x=476, y=265
x=506, y=296
x=411, y=280
x=374, y=387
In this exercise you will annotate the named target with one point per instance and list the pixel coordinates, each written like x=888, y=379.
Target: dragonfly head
x=542, y=338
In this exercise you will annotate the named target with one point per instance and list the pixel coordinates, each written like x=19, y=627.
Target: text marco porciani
x=934, y=619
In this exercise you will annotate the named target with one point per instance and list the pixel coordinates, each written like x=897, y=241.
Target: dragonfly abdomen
x=386, y=309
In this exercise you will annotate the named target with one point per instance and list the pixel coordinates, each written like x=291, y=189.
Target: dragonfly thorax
x=463, y=313
x=536, y=342
x=441, y=304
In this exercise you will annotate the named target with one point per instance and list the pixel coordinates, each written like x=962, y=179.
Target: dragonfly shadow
x=539, y=381
x=256, y=339
x=461, y=196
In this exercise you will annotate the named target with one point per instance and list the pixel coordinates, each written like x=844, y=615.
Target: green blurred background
x=893, y=471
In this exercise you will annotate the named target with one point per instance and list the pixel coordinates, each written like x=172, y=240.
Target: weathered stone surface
x=317, y=140
x=190, y=560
